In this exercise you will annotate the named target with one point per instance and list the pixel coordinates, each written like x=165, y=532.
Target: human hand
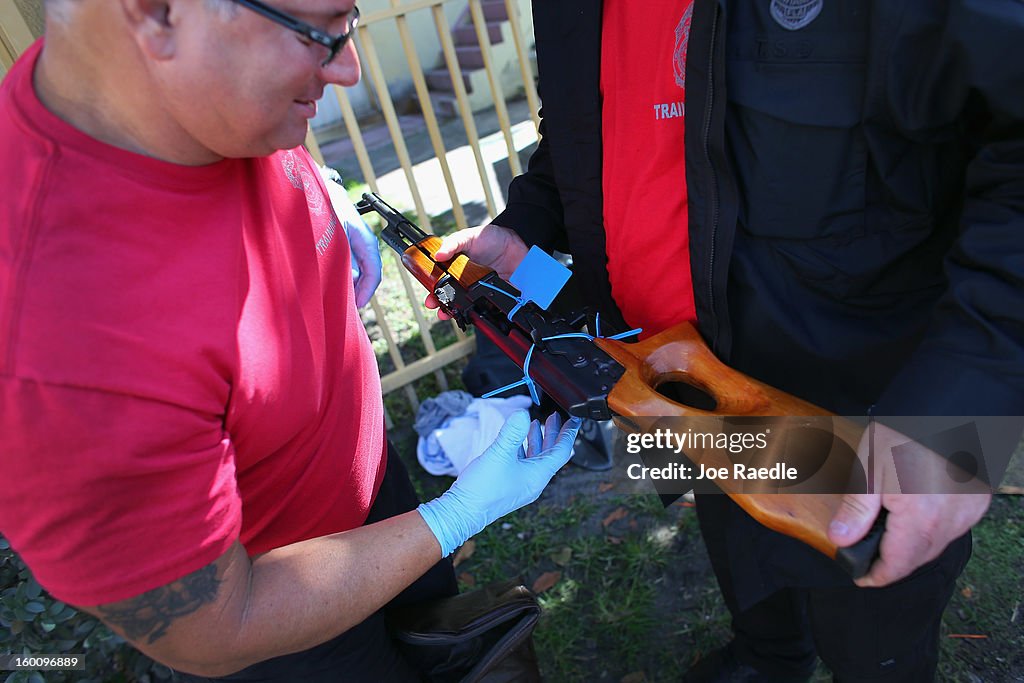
x=503, y=479
x=492, y=246
x=362, y=242
x=919, y=525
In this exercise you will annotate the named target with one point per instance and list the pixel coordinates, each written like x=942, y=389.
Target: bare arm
x=236, y=612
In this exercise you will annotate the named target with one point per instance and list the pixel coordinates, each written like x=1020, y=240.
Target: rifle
x=604, y=378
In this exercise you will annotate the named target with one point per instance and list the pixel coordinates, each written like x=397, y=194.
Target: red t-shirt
x=181, y=360
x=643, y=57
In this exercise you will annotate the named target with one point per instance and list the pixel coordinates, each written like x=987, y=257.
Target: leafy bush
x=32, y=622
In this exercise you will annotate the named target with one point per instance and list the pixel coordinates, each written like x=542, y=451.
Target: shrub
x=33, y=622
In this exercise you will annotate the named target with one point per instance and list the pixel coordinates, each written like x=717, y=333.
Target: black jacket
x=856, y=194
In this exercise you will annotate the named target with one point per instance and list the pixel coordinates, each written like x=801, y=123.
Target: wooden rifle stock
x=679, y=354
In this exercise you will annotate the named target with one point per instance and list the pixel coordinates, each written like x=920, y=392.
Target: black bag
x=481, y=636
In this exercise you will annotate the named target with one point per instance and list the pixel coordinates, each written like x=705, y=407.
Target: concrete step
x=470, y=57
x=466, y=35
x=446, y=106
x=478, y=91
x=494, y=10
x=440, y=80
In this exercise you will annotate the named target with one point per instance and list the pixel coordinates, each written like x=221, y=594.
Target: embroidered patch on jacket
x=795, y=14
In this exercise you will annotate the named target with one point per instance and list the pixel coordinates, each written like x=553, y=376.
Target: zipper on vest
x=714, y=178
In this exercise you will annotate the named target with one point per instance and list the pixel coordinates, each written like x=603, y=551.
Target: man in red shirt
x=181, y=355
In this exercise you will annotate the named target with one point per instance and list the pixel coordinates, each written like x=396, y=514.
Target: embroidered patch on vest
x=795, y=14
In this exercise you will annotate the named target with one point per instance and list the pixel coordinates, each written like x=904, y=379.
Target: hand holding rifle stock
x=602, y=378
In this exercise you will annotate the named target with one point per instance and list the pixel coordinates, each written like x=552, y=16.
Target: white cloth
x=460, y=439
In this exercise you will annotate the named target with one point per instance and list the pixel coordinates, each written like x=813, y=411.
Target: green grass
x=989, y=601
x=603, y=608
x=639, y=595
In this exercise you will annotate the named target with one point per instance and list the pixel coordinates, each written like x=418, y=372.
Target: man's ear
x=151, y=22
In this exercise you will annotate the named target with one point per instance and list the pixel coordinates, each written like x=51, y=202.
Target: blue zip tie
x=520, y=301
x=620, y=335
x=590, y=337
x=527, y=380
x=628, y=333
x=570, y=335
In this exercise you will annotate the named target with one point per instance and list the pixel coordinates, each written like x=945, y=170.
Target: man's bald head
x=188, y=81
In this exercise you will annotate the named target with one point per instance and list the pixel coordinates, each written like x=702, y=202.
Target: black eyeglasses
x=332, y=43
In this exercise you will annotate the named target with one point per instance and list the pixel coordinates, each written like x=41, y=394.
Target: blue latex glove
x=366, y=262
x=503, y=479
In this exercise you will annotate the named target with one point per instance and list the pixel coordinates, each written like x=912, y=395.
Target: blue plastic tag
x=540, y=277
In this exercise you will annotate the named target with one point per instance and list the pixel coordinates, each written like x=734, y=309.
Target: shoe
x=590, y=451
x=721, y=666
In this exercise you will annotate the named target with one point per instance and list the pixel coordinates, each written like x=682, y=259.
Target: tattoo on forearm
x=149, y=615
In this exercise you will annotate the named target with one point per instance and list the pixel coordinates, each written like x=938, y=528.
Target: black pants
x=365, y=652
x=790, y=603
